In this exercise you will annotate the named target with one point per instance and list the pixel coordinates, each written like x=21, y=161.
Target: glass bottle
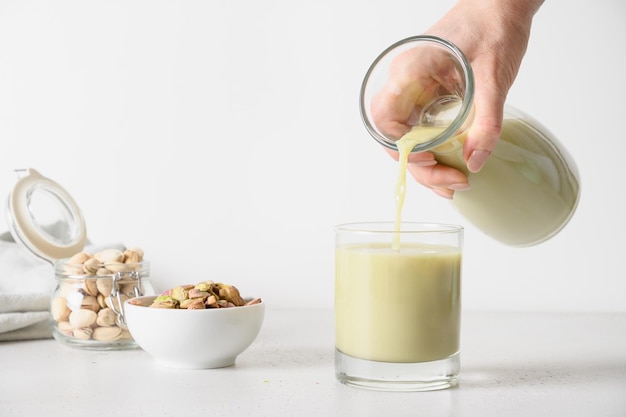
x=529, y=187
x=86, y=306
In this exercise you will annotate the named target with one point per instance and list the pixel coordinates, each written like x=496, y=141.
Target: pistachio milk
x=526, y=192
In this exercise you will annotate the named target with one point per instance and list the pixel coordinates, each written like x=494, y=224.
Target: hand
x=494, y=36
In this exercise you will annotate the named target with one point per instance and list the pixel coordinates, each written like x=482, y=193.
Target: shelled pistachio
x=204, y=295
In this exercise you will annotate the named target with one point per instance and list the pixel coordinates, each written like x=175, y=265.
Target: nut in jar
x=87, y=305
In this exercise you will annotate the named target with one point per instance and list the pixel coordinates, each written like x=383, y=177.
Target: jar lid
x=44, y=217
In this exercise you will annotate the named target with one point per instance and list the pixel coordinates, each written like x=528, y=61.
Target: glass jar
x=528, y=189
x=86, y=309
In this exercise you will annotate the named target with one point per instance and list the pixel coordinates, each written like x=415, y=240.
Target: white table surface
x=513, y=364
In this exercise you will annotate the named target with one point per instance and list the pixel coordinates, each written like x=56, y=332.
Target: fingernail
x=459, y=187
x=477, y=160
x=443, y=193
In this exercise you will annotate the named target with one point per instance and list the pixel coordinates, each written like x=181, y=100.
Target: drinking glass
x=398, y=305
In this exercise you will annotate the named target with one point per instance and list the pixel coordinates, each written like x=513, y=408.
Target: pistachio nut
x=211, y=301
x=91, y=287
x=109, y=255
x=181, y=292
x=107, y=334
x=79, y=258
x=74, y=265
x=103, y=272
x=124, y=335
x=91, y=266
x=105, y=286
x=196, y=293
x=128, y=288
x=90, y=302
x=82, y=318
x=230, y=293
x=83, y=333
x=101, y=300
x=193, y=304
x=112, y=302
x=206, y=294
x=65, y=327
x=106, y=317
x=59, y=309
x=117, y=266
x=204, y=286
x=253, y=301
x=165, y=301
x=133, y=256
x=136, y=302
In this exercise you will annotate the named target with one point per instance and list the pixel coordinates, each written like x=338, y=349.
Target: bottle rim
x=466, y=102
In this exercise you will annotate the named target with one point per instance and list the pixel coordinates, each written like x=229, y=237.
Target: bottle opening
x=441, y=111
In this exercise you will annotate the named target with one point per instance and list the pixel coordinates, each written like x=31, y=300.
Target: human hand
x=494, y=36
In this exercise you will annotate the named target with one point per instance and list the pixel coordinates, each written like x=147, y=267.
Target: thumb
x=485, y=130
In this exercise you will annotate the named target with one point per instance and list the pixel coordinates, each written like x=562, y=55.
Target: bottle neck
x=430, y=83
x=450, y=113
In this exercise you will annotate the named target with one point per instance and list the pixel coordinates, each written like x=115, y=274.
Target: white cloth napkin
x=26, y=285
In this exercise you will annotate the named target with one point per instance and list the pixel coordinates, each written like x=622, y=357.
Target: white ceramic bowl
x=194, y=339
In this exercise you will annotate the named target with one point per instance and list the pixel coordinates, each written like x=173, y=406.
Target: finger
x=416, y=158
x=439, y=176
x=484, y=133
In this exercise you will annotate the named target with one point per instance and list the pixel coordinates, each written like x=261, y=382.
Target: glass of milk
x=398, y=305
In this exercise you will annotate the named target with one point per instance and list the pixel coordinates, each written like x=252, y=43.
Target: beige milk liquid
x=397, y=305
x=523, y=195
x=397, y=301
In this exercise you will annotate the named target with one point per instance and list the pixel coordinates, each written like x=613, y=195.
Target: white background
x=224, y=138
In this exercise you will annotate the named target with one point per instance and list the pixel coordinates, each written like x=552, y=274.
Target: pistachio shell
x=131, y=257
x=204, y=286
x=193, y=304
x=107, y=334
x=110, y=255
x=112, y=303
x=59, y=309
x=90, y=303
x=117, y=266
x=90, y=286
x=76, y=269
x=91, y=266
x=125, y=334
x=231, y=294
x=253, y=301
x=180, y=293
x=103, y=272
x=79, y=258
x=101, y=300
x=106, y=317
x=82, y=318
x=84, y=333
x=133, y=253
x=65, y=327
x=104, y=285
x=128, y=289
x=136, y=302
